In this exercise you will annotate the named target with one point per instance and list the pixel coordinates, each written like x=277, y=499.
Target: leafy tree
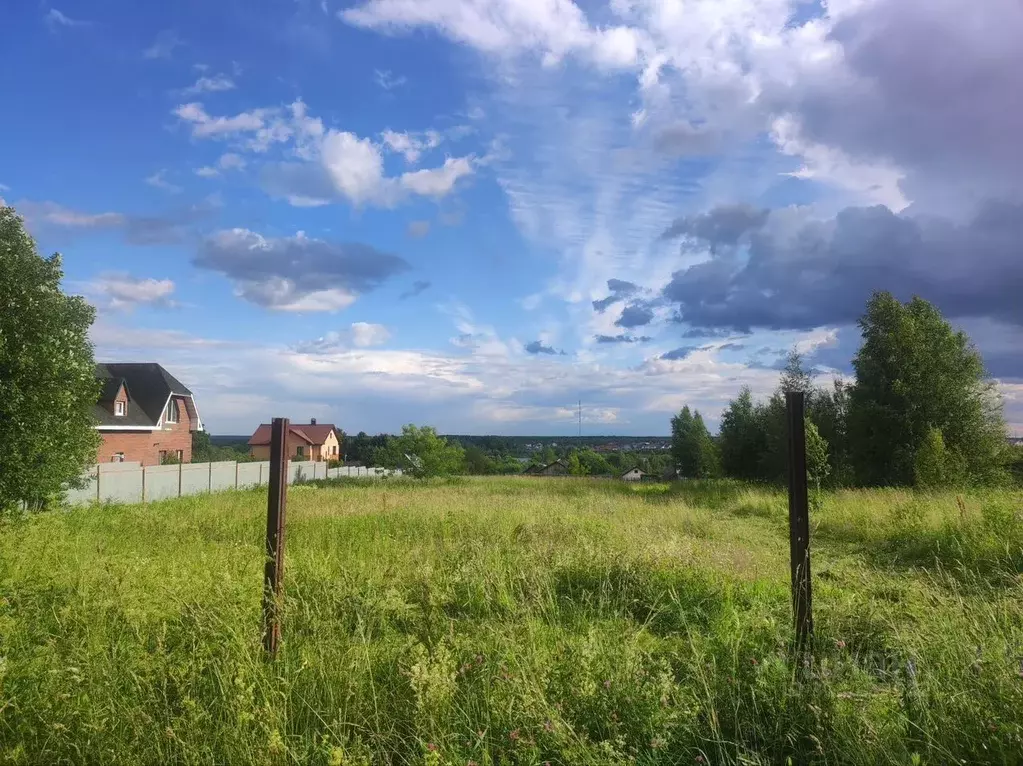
x=48, y=383
x=829, y=412
x=692, y=448
x=477, y=461
x=743, y=437
x=817, y=465
x=421, y=453
x=594, y=464
x=915, y=373
x=575, y=466
x=549, y=455
x=202, y=449
x=931, y=463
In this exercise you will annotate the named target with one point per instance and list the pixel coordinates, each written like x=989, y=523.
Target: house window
x=120, y=408
x=299, y=451
x=118, y=457
x=333, y=450
x=163, y=457
x=171, y=415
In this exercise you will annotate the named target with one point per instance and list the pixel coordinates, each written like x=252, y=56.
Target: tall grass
x=514, y=621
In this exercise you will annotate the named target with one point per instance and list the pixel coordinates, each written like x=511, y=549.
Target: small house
x=633, y=474
x=305, y=441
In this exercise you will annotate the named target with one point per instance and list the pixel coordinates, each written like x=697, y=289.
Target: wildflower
x=514, y=735
x=754, y=660
x=432, y=747
x=840, y=644
x=699, y=759
x=472, y=763
x=548, y=726
x=607, y=684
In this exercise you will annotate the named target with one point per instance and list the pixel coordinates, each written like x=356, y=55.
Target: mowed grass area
x=515, y=621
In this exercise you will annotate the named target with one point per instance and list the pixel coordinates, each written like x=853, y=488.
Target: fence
x=133, y=483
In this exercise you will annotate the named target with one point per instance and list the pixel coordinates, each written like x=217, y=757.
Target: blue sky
x=473, y=213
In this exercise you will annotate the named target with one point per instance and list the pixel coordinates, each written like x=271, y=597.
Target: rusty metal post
x=799, y=519
x=277, y=496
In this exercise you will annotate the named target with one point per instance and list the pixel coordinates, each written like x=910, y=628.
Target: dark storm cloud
x=803, y=273
x=620, y=290
x=724, y=225
x=280, y=273
x=622, y=338
x=536, y=347
x=635, y=315
x=930, y=85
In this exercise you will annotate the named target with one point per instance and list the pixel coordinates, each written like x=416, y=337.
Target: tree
x=202, y=449
x=421, y=453
x=743, y=438
x=915, y=373
x=817, y=465
x=48, y=384
x=692, y=448
x=575, y=466
x=931, y=461
x=477, y=461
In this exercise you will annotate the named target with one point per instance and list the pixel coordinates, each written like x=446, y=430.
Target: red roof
x=311, y=434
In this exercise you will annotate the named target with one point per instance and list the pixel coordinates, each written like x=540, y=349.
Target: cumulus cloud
x=298, y=273
x=215, y=84
x=158, y=181
x=411, y=145
x=556, y=29
x=359, y=335
x=437, y=182
x=227, y=161
x=538, y=347
x=205, y=126
x=164, y=45
x=124, y=292
x=803, y=272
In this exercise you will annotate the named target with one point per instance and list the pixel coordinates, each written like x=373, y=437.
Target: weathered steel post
x=799, y=519
x=277, y=496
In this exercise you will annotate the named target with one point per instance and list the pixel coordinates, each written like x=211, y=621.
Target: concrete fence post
x=143, y=468
x=98, y=495
x=179, y=479
x=236, y=475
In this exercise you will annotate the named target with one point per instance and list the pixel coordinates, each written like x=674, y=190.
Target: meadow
x=515, y=621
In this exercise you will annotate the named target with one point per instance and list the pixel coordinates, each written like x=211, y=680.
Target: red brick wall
x=145, y=446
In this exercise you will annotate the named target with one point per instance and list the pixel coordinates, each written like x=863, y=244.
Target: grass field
x=515, y=621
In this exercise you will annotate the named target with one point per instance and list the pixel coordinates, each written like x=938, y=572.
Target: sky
x=474, y=214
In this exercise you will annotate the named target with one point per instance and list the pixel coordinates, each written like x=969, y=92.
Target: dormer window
x=120, y=409
x=171, y=414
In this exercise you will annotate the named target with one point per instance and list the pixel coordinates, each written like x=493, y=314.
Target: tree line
x=922, y=410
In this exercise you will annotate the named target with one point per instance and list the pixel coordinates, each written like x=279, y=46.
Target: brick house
x=144, y=415
x=305, y=441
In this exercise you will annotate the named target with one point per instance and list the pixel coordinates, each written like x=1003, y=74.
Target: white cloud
x=164, y=45
x=120, y=291
x=386, y=80
x=875, y=183
x=227, y=161
x=554, y=28
x=55, y=19
x=157, y=181
x=205, y=126
x=215, y=84
x=438, y=182
x=355, y=167
x=411, y=146
x=359, y=335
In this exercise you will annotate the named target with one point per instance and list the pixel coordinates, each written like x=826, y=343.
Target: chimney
x=312, y=421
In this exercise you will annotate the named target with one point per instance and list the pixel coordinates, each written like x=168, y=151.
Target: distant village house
x=305, y=441
x=633, y=474
x=557, y=468
x=144, y=414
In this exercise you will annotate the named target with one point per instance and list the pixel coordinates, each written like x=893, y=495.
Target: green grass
x=515, y=621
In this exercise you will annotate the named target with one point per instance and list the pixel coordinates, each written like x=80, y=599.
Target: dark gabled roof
x=148, y=386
